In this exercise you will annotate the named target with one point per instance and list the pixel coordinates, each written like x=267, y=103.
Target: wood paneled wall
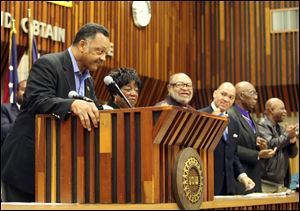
x=210, y=41
x=234, y=44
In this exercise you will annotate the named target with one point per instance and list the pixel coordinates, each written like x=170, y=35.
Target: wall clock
x=141, y=11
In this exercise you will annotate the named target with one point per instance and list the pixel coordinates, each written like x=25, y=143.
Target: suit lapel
x=210, y=109
x=230, y=127
x=269, y=124
x=14, y=108
x=241, y=119
x=245, y=124
x=69, y=71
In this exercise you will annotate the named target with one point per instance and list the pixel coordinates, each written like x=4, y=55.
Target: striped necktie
x=250, y=122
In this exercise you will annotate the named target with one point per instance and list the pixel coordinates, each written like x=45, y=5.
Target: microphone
x=73, y=94
x=109, y=81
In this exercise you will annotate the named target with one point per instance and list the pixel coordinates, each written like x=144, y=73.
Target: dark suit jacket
x=9, y=114
x=50, y=80
x=248, y=151
x=227, y=165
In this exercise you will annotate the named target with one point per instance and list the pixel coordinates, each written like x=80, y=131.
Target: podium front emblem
x=188, y=179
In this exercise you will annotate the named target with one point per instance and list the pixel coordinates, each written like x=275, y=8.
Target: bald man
x=227, y=165
x=180, y=91
x=277, y=176
x=252, y=149
x=10, y=111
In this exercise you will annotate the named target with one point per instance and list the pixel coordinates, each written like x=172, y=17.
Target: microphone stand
x=125, y=99
x=114, y=88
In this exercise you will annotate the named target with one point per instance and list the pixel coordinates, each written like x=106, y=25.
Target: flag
x=34, y=50
x=10, y=89
x=13, y=70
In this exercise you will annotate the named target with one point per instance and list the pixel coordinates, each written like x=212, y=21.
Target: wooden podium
x=127, y=159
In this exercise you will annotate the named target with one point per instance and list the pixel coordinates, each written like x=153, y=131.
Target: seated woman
x=129, y=83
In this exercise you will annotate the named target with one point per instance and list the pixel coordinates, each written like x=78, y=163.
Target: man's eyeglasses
x=252, y=93
x=182, y=85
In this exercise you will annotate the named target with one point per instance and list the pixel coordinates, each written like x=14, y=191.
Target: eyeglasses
x=181, y=85
x=252, y=93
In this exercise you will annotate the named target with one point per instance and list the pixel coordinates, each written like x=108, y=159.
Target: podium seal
x=188, y=179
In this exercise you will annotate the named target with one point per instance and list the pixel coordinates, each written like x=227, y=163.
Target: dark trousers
x=12, y=194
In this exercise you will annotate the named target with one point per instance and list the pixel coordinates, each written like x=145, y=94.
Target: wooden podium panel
x=128, y=158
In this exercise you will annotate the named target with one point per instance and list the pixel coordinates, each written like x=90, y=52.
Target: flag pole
x=13, y=66
x=13, y=30
x=6, y=88
x=29, y=40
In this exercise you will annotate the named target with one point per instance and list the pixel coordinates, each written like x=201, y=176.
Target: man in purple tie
x=252, y=149
x=227, y=166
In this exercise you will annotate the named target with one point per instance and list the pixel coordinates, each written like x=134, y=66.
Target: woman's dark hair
x=89, y=30
x=123, y=76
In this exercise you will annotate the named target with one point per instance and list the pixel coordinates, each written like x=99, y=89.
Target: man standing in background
x=10, y=111
x=277, y=174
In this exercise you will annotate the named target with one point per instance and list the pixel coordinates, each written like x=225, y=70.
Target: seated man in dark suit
x=130, y=84
x=252, y=149
x=227, y=165
x=180, y=91
x=9, y=111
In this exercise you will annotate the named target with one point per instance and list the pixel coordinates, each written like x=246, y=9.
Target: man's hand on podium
x=247, y=182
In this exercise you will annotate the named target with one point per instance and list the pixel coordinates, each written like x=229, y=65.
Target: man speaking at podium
x=51, y=78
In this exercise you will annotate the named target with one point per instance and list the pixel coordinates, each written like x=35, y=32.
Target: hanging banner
x=41, y=29
x=62, y=3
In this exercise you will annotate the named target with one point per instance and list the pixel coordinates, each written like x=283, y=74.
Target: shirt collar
x=86, y=73
x=18, y=105
x=214, y=107
x=270, y=122
x=242, y=111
